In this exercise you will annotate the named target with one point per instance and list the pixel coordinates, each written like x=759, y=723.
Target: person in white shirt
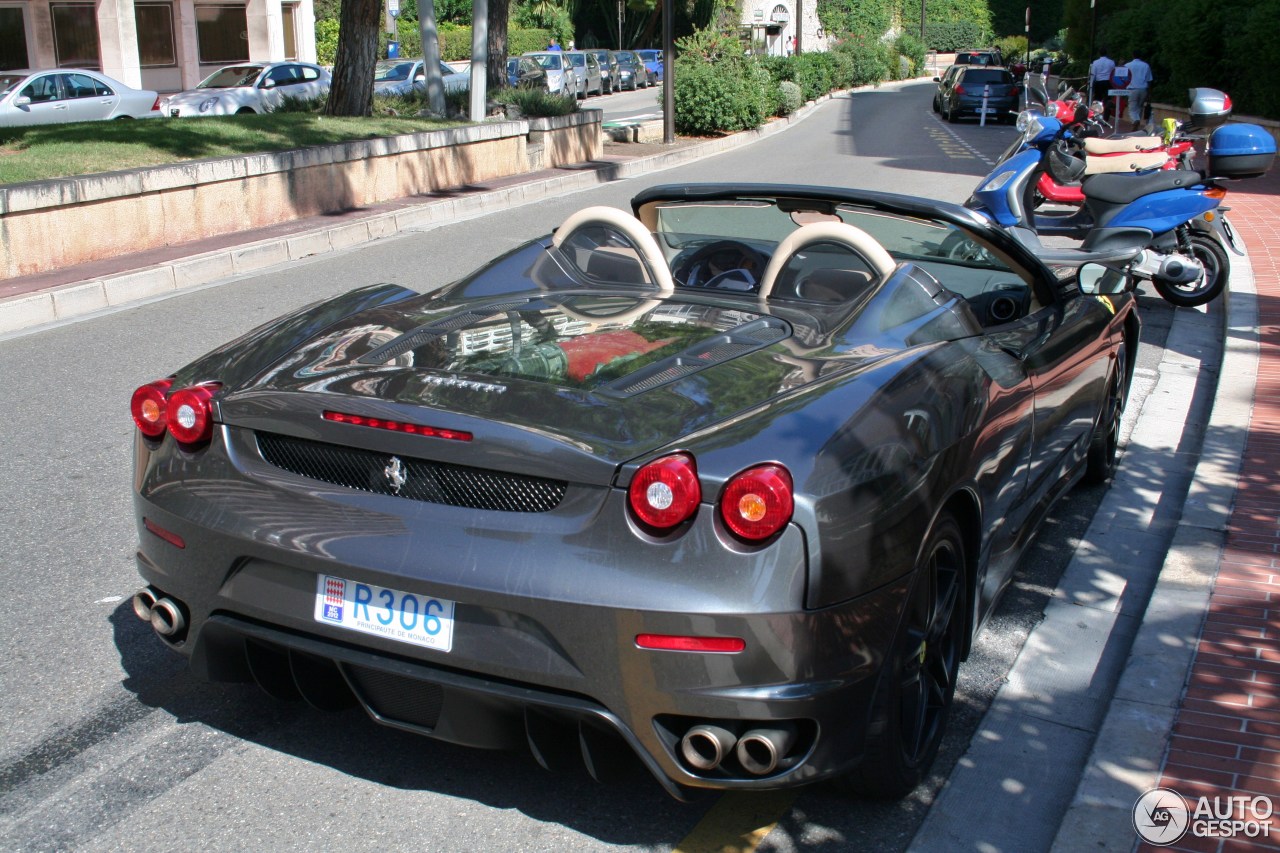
x=1100, y=73
x=1139, y=83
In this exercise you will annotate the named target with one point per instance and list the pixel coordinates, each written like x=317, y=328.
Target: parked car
x=54, y=96
x=971, y=84
x=608, y=70
x=248, y=87
x=944, y=81
x=587, y=69
x=633, y=67
x=561, y=78
x=402, y=76
x=652, y=60
x=730, y=481
x=524, y=73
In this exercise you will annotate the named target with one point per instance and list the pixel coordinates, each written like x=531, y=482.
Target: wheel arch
x=963, y=506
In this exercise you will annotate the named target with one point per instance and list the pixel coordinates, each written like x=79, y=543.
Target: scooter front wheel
x=1217, y=269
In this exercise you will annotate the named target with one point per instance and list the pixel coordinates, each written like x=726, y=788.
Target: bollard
x=982, y=113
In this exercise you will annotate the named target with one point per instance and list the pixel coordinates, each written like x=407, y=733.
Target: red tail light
x=665, y=492
x=155, y=107
x=1226, y=102
x=190, y=413
x=959, y=90
x=758, y=502
x=148, y=407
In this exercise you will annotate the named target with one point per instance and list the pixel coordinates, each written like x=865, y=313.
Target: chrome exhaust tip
x=167, y=618
x=705, y=746
x=760, y=751
x=143, y=600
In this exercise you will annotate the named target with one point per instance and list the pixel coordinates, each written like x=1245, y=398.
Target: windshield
x=8, y=81
x=390, y=72
x=231, y=77
x=577, y=59
x=548, y=60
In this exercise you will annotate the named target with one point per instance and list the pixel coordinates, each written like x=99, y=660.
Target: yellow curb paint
x=737, y=823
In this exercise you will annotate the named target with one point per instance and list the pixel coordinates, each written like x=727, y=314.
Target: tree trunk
x=351, y=93
x=497, y=69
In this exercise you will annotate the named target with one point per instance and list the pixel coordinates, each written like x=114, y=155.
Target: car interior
x=824, y=260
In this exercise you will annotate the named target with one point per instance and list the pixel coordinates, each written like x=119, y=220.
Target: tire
x=937, y=107
x=245, y=111
x=1217, y=270
x=1105, y=446
x=918, y=682
x=952, y=115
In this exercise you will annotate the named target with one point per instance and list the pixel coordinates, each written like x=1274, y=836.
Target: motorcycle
x=1176, y=210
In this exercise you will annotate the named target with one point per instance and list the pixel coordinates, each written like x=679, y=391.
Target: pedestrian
x=571, y=45
x=555, y=45
x=1100, y=73
x=1139, y=83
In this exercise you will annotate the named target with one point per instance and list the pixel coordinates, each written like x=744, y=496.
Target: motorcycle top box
x=1209, y=107
x=1240, y=151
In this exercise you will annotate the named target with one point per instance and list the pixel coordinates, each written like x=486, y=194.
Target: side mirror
x=419, y=78
x=1098, y=280
x=937, y=79
x=267, y=84
x=22, y=101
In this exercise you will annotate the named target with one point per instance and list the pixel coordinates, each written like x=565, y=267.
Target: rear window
x=983, y=76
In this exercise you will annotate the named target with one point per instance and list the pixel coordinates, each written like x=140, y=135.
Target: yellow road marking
x=738, y=822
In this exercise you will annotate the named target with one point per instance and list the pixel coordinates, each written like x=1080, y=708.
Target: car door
x=88, y=99
x=275, y=85
x=43, y=102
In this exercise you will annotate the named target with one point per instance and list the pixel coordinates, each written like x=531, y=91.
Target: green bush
x=912, y=49
x=326, y=40
x=732, y=94
x=295, y=104
x=949, y=36
x=862, y=62
x=790, y=98
x=536, y=104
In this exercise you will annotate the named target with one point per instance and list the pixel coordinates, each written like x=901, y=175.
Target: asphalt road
x=106, y=743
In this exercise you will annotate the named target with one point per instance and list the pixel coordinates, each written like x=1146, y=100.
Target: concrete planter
x=46, y=225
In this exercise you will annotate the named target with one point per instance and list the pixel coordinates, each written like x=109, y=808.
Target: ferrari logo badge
x=395, y=474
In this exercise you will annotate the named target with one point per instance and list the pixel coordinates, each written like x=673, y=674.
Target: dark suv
x=983, y=56
x=960, y=93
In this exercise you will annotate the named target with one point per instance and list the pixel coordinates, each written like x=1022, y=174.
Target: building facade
x=166, y=45
x=778, y=27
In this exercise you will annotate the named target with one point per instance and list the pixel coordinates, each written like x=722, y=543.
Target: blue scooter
x=1172, y=213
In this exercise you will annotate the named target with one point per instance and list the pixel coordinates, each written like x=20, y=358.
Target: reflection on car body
x=776, y=448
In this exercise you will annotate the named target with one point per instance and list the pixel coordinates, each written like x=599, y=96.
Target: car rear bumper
x=548, y=612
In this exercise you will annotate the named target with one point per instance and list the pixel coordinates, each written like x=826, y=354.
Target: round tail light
x=758, y=502
x=665, y=492
x=148, y=407
x=191, y=415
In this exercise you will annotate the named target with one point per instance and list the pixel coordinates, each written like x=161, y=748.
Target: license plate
x=406, y=617
x=987, y=110
x=175, y=113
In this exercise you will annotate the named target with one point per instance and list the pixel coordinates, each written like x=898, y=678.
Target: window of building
x=222, y=33
x=155, y=34
x=13, y=39
x=75, y=35
x=288, y=15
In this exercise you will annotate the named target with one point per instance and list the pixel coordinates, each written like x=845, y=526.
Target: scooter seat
x=1129, y=161
x=1123, y=188
x=1094, y=145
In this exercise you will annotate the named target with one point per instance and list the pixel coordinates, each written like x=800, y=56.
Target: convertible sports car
x=732, y=480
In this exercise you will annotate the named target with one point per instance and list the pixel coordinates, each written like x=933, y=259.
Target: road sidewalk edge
x=1128, y=752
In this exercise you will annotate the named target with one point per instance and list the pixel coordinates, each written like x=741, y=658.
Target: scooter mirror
x=1097, y=280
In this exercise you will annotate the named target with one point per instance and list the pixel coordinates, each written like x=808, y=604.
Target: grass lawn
x=58, y=150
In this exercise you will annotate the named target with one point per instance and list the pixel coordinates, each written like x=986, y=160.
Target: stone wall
x=46, y=225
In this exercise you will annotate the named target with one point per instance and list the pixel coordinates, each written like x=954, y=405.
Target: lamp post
x=619, y=24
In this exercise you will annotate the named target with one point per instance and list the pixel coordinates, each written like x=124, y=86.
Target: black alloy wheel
x=1105, y=446
x=919, y=681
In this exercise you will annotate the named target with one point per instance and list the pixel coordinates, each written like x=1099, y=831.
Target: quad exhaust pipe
x=166, y=616
x=762, y=751
x=705, y=746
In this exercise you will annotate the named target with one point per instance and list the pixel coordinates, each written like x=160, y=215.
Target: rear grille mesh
x=432, y=482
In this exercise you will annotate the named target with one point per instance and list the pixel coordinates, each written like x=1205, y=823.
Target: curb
x=31, y=312
x=1127, y=756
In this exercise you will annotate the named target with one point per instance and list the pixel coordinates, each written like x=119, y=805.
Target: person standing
x=1100, y=73
x=555, y=45
x=1139, y=84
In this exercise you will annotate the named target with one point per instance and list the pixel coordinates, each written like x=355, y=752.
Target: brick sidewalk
x=1226, y=738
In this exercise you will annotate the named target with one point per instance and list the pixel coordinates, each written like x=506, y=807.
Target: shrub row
x=719, y=89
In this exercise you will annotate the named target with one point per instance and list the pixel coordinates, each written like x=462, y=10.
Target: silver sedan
x=60, y=95
x=248, y=87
